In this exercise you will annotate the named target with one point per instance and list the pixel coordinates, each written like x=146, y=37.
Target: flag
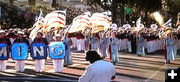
x=40, y=15
x=80, y=23
x=100, y=21
x=138, y=24
x=54, y=19
x=37, y=26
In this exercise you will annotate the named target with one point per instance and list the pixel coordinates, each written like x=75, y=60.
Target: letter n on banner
x=57, y=50
x=38, y=51
x=4, y=55
x=19, y=51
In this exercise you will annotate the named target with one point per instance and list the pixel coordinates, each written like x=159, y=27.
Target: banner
x=4, y=55
x=19, y=51
x=57, y=50
x=38, y=51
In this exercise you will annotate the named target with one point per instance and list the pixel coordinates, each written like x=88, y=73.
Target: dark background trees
x=139, y=8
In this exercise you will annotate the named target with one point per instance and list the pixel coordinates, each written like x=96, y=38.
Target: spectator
x=99, y=70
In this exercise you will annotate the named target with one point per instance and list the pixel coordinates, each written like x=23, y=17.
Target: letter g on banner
x=4, y=55
x=19, y=51
x=57, y=50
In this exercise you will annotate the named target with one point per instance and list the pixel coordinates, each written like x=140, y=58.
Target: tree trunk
x=11, y=2
x=114, y=19
x=122, y=15
x=146, y=18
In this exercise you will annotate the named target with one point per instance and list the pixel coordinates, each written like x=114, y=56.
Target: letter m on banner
x=57, y=50
x=4, y=55
x=19, y=51
x=38, y=51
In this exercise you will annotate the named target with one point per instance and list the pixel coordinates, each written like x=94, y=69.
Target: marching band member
x=87, y=40
x=11, y=35
x=174, y=37
x=119, y=36
x=133, y=43
x=3, y=40
x=20, y=63
x=58, y=64
x=79, y=41
x=121, y=41
x=103, y=44
x=74, y=41
x=178, y=36
x=94, y=42
x=129, y=41
x=140, y=44
x=68, y=56
x=114, y=48
x=40, y=62
x=82, y=42
x=169, y=43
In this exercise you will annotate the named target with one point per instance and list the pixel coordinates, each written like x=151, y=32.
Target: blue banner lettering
x=4, y=55
x=57, y=50
x=19, y=51
x=38, y=51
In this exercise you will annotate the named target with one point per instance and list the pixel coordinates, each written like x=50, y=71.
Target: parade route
x=131, y=68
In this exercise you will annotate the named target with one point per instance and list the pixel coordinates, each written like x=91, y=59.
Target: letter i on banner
x=38, y=51
x=19, y=51
x=57, y=50
x=4, y=55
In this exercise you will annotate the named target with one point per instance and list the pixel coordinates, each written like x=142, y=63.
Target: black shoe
x=167, y=62
x=114, y=63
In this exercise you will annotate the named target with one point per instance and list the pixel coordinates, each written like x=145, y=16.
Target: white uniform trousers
x=58, y=64
x=74, y=40
x=126, y=44
x=148, y=46
x=82, y=44
x=3, y=65
x=40, y=65
x=119, y=46
x=79, y=45
x=129, y=46
x=20, y=65
x=153, y=46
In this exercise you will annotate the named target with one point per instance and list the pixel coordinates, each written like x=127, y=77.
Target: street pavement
x=131, y=68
